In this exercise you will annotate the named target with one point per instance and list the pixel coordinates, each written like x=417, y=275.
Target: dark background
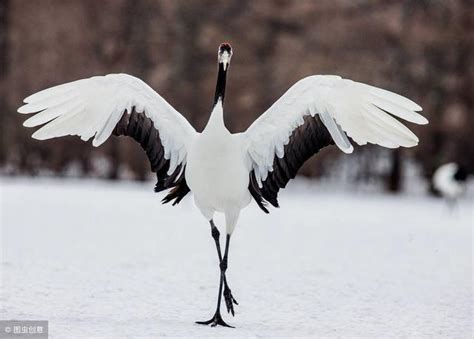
x=421, y=49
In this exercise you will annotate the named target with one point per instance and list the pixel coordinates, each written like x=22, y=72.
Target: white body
x=216, y=171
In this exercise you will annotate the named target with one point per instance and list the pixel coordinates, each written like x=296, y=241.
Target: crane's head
x=224, y=55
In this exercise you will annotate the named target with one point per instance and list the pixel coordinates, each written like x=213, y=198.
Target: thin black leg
x=217, y=318
x=228, y=297
x=215, y=235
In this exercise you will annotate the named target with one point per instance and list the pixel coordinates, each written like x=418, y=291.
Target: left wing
x=316, y=112
x=118, y=104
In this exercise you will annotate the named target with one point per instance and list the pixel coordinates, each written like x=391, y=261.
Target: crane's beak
x=224, y=55
x=224, y=59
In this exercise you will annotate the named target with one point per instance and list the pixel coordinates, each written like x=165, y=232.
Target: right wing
x=316, y=112
x=123, y=105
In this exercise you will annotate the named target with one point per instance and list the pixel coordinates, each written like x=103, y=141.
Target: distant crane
x=224, y=170
x=450, y=181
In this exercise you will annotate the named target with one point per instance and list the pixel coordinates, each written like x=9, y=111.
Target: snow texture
x=108, y=260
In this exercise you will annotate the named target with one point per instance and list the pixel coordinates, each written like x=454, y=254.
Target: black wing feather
x=305, y=141
x=142, y=129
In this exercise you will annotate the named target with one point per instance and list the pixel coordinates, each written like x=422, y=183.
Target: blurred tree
x=4, y=11
x=445, y=47
x=422, y=49
x=400, y=67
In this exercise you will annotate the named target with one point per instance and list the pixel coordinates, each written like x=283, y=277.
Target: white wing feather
x=344, y=106
x=92, y=108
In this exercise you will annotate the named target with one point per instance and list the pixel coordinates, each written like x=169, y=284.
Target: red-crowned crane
x=225, y=170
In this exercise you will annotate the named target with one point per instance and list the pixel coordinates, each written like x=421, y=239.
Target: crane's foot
x=229, y=300
x=216, y=320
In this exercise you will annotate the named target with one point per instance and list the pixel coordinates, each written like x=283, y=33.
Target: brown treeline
x=421, y=49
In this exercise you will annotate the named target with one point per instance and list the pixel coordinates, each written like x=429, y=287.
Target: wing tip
x=414, y=106
x=423, y=120
x=347, y=150
x=97, y=142
x=24, y=109
x=31, y=97
x=28, y=123
x=39, y=136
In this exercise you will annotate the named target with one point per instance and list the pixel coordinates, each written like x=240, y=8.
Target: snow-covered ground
x=107, y=259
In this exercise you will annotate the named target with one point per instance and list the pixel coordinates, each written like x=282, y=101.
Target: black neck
x=220, y=86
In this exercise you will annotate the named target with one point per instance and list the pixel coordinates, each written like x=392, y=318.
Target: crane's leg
x=217, y=318
x=228, y=297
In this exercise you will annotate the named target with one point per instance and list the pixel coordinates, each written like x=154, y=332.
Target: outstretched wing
x=123, y=105
x=315, y=112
